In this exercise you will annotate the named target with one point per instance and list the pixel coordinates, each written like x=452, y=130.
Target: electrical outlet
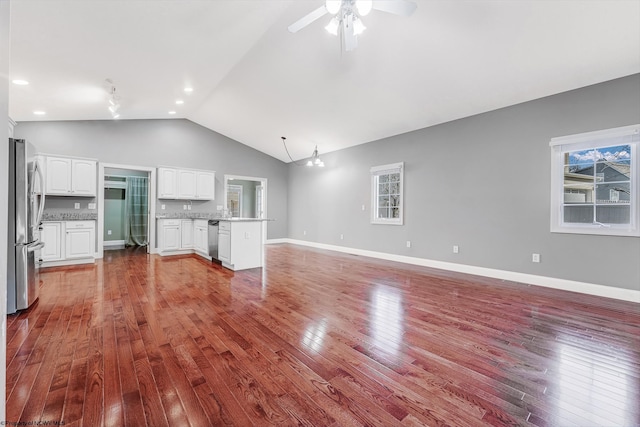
x=108, y=232
x=188, y=207
x=163, y=207
x=184, y=207
x=76, y=205
x=247, y=235
x=342, y=237
x=92, y=205
x=362, y=207
x=304, y=233
x=456, y=249
x=408, y=243
x=535, y=258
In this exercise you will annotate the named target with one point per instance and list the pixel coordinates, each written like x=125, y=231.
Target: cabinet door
x=200, y=239
x=186, y=184
x=79, y=243
x=186, y=234
x=83, y=177
x=58, y=176
x=206, y=185
x=167, y=183
x=224, y=246
x=51, y=236
x=170, y=238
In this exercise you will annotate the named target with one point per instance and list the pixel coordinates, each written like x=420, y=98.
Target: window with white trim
x=595, y=182
x=386, y=194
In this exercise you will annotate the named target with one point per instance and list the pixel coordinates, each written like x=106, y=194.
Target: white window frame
x=628, y=135
x=377, y=171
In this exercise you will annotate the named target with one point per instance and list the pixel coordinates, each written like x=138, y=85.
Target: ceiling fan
x=347, y=16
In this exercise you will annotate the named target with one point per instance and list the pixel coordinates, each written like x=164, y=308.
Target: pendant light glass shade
x=332, y=26
x=333, y=6
x=364, y=6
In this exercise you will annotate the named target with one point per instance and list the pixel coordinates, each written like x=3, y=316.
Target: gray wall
x=481, y=183
x=176, y=142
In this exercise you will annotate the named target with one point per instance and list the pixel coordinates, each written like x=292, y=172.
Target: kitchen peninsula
x=237, y=243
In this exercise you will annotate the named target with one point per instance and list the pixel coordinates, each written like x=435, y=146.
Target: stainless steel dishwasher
x=213, y=238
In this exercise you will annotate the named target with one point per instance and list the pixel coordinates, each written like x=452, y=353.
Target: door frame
x=263, y=182
x=151, y=247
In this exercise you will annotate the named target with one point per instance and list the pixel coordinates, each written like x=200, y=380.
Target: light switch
x=92, y=205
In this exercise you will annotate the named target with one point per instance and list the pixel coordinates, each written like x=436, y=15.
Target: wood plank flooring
x=316, y=338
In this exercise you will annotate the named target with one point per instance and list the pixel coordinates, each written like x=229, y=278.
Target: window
x=595, y=188
x=386, y=194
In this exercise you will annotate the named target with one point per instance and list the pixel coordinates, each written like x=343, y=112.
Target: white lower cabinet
x=51, y=235
x=201, y=236
x=186, y=234
x=182, y=236
x=79, y=239
x=224, y=242
x=240, y=244
x=170, y=238
x=67, y=242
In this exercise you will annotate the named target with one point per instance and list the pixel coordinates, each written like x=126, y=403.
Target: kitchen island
x=237, y=243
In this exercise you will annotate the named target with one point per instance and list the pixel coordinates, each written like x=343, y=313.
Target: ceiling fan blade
x=308, y=19
x=397, y=7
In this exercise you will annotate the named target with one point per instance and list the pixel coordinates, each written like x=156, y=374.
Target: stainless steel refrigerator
x=26, y=204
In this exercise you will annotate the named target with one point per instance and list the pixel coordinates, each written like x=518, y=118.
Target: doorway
x=126, y=214
x=246, y=197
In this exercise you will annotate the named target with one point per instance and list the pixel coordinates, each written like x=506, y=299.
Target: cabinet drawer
x=224, y=226
x=169, y=222
x=79, y=224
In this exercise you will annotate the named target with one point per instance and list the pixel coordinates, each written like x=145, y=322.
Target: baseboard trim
x=113, y=243
x=529, y=279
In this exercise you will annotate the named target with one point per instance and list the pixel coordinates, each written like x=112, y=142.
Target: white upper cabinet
x=206, y=185
x=70, y=177
x=186, y=184
x=58, y=176
x=83, y=177
x=167, y=183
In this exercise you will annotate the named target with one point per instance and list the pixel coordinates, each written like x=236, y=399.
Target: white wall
x=4, y=196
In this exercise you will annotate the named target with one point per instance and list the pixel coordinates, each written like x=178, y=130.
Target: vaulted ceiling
x=253, y=81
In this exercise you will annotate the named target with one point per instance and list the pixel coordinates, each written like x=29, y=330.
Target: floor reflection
x=314, y=335
x=591, y=383
x=387, y=319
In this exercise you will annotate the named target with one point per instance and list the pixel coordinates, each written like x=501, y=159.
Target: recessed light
x=188, y=89
x=172, y=112
x=179, y=102
x=39, y=113
x=20, y=82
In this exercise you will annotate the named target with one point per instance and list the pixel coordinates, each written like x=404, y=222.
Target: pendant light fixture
x=313, y=161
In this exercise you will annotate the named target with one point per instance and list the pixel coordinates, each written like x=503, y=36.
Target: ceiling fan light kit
x=347, y=20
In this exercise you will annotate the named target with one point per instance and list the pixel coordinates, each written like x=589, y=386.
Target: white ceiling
x=255, y=82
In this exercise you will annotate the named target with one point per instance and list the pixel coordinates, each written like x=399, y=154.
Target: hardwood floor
x=316, y=338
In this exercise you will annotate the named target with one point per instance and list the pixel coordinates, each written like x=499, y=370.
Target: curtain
x=136, y=211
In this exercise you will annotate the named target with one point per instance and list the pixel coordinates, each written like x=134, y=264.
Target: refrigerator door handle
x=37, y=170
x=32, y=247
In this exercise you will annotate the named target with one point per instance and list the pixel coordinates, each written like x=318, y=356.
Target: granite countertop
x=204, y=215
x=69, y=216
